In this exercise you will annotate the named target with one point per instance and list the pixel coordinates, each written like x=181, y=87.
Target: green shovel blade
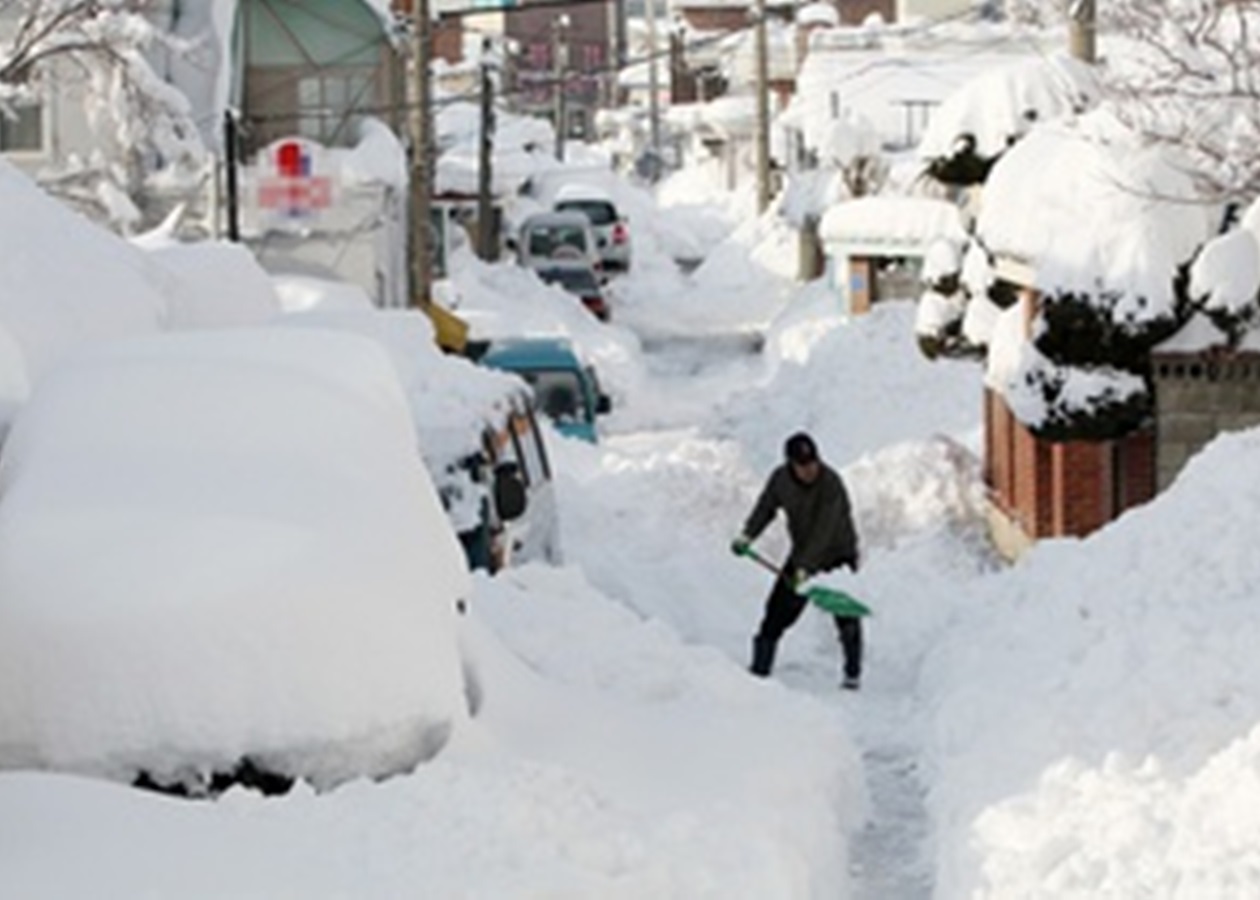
x=836, y=602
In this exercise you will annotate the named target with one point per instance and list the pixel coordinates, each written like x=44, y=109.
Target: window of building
x=22, y=128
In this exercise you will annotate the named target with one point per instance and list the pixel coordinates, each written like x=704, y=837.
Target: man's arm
x=763, y=512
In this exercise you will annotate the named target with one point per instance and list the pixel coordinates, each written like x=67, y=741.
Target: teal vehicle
x=565, y=389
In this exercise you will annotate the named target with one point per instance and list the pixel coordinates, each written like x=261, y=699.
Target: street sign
x=292, y=181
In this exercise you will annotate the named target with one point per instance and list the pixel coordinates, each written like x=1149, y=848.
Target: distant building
x=569, y=48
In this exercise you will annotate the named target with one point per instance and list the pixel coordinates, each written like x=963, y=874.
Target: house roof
x=915, y=221
x=1000, y=104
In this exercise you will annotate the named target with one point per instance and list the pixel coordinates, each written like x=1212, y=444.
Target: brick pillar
x=1082, y=487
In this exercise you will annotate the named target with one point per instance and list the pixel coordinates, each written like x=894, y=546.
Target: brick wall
x=1080, y=487
x=1067, y=488
x=717, y=18
x=854, y=12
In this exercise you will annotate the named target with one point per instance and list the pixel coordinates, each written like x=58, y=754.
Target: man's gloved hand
x=741, y=545
x=798, y=577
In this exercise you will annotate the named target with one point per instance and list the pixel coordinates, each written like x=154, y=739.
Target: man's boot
x=763, y=656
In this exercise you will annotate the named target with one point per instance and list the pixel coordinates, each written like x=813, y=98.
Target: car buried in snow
x=565, y=389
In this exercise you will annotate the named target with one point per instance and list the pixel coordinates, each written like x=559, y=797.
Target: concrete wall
x=1196, y=399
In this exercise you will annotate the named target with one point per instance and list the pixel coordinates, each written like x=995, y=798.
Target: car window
x=527, y=442
x=545, y=240
x=559, y=395
x=571, y=279
x=600, y=212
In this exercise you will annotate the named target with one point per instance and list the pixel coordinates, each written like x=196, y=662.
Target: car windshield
x=600, y=212
x=575, y=280
x=558, y=393
x=545, y=240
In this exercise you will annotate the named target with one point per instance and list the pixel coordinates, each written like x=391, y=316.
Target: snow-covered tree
x=1193, y=81
x=140, y=125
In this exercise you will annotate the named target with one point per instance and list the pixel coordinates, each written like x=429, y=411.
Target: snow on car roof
x=574, y=191
x=260, y=564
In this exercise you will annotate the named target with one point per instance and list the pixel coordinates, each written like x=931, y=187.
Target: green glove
x=741, y=546
x=798, y=577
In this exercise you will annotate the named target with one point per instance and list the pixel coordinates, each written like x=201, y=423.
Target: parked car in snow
x=557, y=237
x=567, y=391
x=580, y=280
x=612, y=231
x=221, y=561
x=478, y=434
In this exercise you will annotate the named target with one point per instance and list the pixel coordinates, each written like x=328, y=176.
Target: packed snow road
x=677, y=471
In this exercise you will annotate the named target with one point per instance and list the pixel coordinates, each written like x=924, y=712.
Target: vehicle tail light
x=620, y=234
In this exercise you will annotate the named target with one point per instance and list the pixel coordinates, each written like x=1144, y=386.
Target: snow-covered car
x=580, y=280
x=549, y=238
x=221, y=561
x=612, y=232
x=567, y=390
x=477, y=432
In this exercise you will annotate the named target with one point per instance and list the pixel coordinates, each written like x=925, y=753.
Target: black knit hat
x=801, y=449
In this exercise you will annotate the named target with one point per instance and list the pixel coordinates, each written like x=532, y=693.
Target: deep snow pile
x=1094, y=719
x=241, y=511
x=859, y=385
x=606, y=760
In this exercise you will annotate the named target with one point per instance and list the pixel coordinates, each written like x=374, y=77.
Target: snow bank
x=818, y=383
x=1104, y=742
x=67, y=283
x=260, y=565
x=216, y=285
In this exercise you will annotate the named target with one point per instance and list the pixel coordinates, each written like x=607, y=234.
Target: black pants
x=783, y=608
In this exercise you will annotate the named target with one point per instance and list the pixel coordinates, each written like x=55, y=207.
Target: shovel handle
x=762, y=561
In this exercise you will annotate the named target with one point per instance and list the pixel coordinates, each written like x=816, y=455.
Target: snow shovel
x=832, y=600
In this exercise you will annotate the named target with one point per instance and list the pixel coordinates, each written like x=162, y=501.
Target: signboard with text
x=292, y=182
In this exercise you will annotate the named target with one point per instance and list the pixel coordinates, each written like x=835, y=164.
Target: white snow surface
x=1097, y=213
x=893, y=220
x=242, y=509
x=999, y=105
x=1082, y=724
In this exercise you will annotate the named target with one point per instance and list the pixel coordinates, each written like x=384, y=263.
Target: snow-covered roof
x=781, y=61
x=1095, y=212
x=523, y=148
x=1002, y=103
x=818, y=13
x=895, y=83
x=579, y=191
x=913, y=221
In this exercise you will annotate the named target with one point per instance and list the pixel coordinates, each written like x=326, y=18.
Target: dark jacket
x=819, y=519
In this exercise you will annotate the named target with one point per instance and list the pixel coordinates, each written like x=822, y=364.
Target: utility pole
x=763, y=108
x=487, y=236
x=420, y=100
x=559, y=63
x=1083, y=30
x=654, y=86
x=231, y=163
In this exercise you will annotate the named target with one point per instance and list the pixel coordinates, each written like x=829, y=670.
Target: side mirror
x=603, y=405
x=509, y=492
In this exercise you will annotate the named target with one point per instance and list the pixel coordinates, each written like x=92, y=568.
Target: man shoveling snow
x=820, y=525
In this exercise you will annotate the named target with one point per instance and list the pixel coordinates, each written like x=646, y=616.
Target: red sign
x=291, y=187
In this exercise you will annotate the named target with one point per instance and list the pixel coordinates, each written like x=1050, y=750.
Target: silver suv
x=612, y=233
